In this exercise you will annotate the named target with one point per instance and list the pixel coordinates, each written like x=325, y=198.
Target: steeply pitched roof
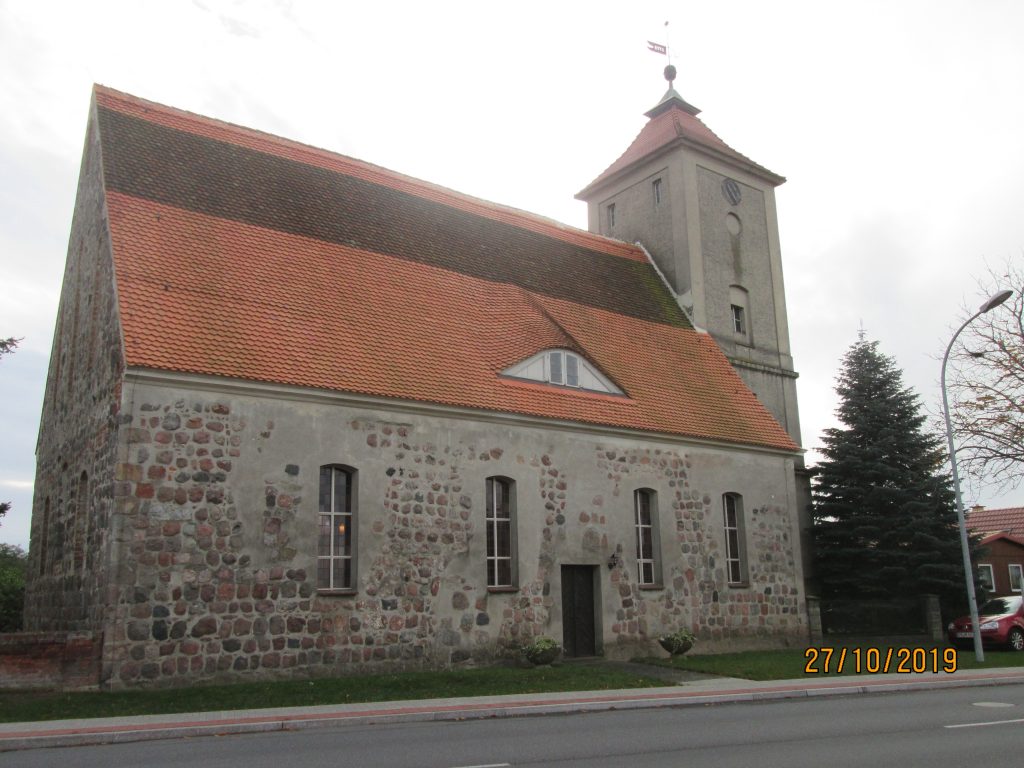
x=672, y=122
x=244, y=255
x=1007, y=520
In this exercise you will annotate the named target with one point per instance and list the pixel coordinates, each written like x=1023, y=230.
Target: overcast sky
x=899, y=126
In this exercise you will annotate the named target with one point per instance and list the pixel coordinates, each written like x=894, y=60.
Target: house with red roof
x=1005, y=520
x=306, y=415
x=1000, y=563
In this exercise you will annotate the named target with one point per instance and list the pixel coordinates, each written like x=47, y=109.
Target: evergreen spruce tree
x=885, y=521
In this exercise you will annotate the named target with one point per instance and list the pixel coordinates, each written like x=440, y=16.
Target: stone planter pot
x=675, y=649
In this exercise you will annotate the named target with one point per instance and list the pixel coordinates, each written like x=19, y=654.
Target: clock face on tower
x=731, y=191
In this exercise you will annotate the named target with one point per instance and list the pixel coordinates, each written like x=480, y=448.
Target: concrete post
x=933, y=618
x=814, y=620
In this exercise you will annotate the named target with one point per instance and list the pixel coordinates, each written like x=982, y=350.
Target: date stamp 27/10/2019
x=872, y=660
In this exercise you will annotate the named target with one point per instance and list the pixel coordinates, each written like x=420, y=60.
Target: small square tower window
x=739, y=321
x=739, y=311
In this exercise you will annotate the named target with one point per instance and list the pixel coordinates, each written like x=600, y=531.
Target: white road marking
x=993, y=704
x=489, y=765
x=979, y=725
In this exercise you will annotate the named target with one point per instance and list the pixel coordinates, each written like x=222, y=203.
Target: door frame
x=595, y=611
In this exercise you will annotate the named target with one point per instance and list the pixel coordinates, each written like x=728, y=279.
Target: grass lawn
x=791, y=664
x=29, y=706
x=752, y=665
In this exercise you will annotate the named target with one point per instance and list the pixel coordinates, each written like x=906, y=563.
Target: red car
x=1001, y=622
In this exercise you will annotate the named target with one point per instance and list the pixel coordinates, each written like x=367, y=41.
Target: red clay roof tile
x=670, y=125
x=1006, y=520
x=212, y=287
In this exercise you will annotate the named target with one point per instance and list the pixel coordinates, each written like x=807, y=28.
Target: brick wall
x=35, y=660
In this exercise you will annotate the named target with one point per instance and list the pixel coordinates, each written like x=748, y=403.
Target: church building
x=307, y=416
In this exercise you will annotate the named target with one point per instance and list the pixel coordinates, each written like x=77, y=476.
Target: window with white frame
x=739, y=313
x=735, y=551
x=611, y=215
x=564, y=368
x=555, y=373
x=501, y=543
x=986, y=578
x=645, y=515
x=739, y=320
x=1016, y=578
x=336, y=540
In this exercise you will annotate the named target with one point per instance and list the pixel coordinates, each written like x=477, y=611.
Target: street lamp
x=972, y=599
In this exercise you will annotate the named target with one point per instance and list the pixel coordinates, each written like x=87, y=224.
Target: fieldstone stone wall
x=216, y=535
x=695, y=592
x=190, y=601
x=78, y=435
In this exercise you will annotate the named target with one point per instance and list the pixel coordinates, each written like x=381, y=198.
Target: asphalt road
x=963, y=726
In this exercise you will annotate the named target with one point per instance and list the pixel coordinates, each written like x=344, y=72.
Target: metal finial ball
x=670, y=73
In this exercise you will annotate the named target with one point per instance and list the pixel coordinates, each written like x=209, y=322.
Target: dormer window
x=572, y=370
x=564, y=368
x=554, y=361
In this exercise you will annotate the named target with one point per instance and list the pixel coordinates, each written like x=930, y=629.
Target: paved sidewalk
x=691, y=690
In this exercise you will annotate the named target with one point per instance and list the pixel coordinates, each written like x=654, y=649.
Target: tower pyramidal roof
x=673, y=122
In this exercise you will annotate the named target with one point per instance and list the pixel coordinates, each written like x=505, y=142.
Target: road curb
x=39, y=737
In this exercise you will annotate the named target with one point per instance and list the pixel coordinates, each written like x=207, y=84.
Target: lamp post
x=972, y=599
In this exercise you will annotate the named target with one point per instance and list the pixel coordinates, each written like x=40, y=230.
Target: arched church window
x=336, y=551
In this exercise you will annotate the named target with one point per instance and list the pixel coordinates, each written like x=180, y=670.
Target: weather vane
x=664, y=50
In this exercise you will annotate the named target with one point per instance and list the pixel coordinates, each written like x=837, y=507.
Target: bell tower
x=706, y=215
